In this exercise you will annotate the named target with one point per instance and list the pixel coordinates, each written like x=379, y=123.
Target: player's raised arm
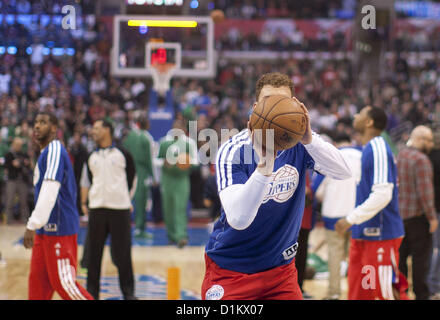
x=328, y=159
x=241, y=196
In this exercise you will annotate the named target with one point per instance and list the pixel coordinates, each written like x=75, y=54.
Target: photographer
x=18, y=168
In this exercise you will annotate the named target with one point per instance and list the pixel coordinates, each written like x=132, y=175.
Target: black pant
x=301, y=255
x=117, y=223
x=417, y=244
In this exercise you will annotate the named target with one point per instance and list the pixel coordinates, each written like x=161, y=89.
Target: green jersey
x=170, y=148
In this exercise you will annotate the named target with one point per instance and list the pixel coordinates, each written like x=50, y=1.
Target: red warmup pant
x=279, y=283
x=53, y=268
x=373, y=270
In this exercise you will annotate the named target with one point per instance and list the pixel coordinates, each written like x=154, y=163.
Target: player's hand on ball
x=307, y=137
x=342, y=225
x=28, y=239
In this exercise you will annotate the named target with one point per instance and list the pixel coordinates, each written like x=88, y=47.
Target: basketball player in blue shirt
x=250, y=253
x=53, y=226
x=376, y=226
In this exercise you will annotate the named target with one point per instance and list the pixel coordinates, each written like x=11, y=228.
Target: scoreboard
x=167, y=7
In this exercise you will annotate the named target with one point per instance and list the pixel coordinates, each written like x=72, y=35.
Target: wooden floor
x=152, y=260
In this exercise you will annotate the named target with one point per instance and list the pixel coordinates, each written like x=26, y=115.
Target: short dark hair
x=341, y=137
x=52, y=117
x=107, y=124
x=144, y=123
x=379, y=117
x=274, y=79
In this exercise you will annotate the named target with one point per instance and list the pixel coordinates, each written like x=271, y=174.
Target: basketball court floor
x=151, y=260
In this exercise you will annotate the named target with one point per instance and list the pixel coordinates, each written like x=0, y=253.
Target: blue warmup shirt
x=54, y=164
x=378, y=167
x=271, y=239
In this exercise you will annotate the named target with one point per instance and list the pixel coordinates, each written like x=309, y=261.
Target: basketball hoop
x=162, y=74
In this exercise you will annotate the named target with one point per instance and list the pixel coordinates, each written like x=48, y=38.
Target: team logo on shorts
x=216, y=292
x=283, y=185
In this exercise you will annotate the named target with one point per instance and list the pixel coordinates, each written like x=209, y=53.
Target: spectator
x=18, y=166
x=110, y=208
x=417, y=207
x=338, y=198
x=434, y=273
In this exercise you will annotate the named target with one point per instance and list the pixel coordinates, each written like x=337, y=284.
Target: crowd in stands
x=262, y=9
x=79, y=88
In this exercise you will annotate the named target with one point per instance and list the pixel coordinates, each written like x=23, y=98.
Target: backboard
x=141, y=41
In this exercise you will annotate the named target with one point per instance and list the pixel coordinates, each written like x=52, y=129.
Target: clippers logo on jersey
x=216, y=292
x=283, y=185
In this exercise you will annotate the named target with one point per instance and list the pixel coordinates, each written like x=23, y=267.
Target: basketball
x=282, y=114
x=183, y=161
x=218, y=16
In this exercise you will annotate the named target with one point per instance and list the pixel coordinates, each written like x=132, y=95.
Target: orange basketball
x=217, y=16
x=282, y=114
x=183, y=161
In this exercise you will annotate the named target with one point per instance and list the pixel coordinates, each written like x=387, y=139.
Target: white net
x=162, y=75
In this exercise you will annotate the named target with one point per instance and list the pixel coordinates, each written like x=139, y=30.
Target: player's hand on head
x=28, y=238
x=307, y=137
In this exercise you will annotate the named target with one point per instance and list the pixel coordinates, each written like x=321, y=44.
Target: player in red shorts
x=376, y=225
x=52, y=229
x=251, y=251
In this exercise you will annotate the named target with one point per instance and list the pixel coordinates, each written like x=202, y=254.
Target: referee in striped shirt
x=108, y=183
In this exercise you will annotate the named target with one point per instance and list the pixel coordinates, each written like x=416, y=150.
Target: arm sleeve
x=380, y=196
x=240, y=195
x=85, y=180
x=45, y=203
x=55, y=162
x=425, y=188
x=382, y=189
x=130, y=169
x=229, y=167
x=242, y=201
x=328, y=159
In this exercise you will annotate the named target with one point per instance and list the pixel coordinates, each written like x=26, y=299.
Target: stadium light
x=163, y=23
